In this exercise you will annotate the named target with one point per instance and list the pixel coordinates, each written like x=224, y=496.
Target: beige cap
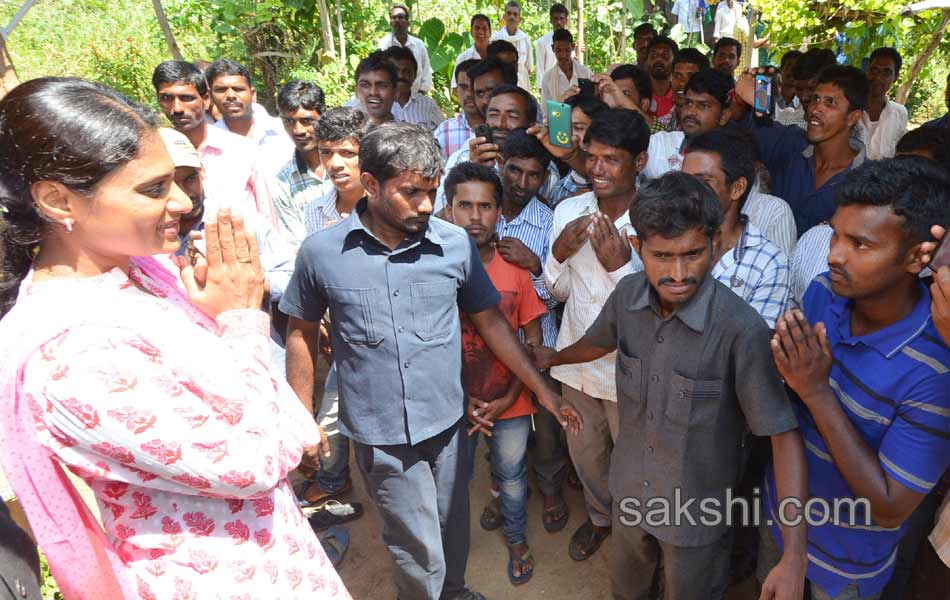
x=179, y=148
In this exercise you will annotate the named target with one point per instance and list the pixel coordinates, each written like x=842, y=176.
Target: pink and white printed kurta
x=183, y=433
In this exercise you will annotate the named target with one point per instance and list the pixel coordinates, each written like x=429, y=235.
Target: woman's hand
x=230, y=277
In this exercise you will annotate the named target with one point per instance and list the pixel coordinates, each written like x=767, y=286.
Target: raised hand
x=514, y=251
x=802, y=354
x=483, y=152
x=612, y=249
x=571, y=238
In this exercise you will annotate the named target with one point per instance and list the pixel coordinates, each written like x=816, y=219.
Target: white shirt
x=883, y=134
x=274, y=146
x=522, y=43
x=665, y=154
x=583, y=283
x=685, y=12
x=423, y=82
x=810, y=259
x=422, y=110
x=470, y=53
x=726, y=19
x=544, y=57
x=773, y=217
x=555, y=82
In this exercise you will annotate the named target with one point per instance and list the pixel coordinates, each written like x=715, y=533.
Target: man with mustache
x=589, y=254
x=693, y=374
x=415, y=108
x=520, y=40
x=394, y=280
x=481, y=34
x=806, y=166
x=688, y=62
x=376, y=80
x=884, y=120
x=232, y=91
x=867, y=362
x=726, y=55
x=399, y=19
x=229, y=161
x=660, y=56
x=303, y=179
x=453, y=133
x=643, y=35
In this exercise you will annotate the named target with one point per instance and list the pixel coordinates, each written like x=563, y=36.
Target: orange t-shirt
x=484, y=376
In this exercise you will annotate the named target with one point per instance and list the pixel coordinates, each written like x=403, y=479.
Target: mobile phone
x=559, y=123
x=484, y=131
x=586, y=88
x=763, y=94
x=941, y=256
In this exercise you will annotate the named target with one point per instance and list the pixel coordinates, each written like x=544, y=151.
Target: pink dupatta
x=81, y=558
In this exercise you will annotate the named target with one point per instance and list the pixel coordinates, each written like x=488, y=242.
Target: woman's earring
x=68, y=224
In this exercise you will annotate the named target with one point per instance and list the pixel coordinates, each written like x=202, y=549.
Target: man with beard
x=693, y=375
x=229, y=161
x=660, y=56
x=643, y=35
x=943, y=121
x=399, y=18
x=303, y=178
x=415, y=108
x=884, y=120
x=509, y=107
x=806, y=166
x=687, y=63
x=394, y=280
x=376, y=80
x=590, y=253
x=232, y=91
x=726, y=55
x=543, y=46
x=496, y=401
x=867, y=362
x=481, y=34
x=453, y=133
x=520, y=40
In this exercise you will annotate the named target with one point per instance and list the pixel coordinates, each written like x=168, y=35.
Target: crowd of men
x=710, y=299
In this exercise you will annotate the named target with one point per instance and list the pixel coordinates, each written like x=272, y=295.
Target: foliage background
x=119, y=42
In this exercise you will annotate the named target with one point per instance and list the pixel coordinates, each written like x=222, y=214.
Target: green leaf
x=431, y=32
x=634, y=8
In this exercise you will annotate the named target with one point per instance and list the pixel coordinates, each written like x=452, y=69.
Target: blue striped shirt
x=894, y=386
x=532, y=227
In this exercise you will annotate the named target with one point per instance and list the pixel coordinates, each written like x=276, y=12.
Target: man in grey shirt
x=394, y=281
x=694, y=370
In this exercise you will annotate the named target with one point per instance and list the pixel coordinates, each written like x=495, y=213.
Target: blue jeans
x=334, y=470
x=508, y=444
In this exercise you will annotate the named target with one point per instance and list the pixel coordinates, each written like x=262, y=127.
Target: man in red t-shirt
x=497, y=403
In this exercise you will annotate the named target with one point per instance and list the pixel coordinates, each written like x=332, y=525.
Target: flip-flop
x=335, y=543
x=557, y=524
x=492, y=518
x=525, y=577
x=333, y=512
x=591, y=539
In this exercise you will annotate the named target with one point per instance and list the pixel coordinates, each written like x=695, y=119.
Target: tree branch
x=904, y=90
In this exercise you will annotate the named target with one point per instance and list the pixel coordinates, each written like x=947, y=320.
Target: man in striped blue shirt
x=872, y=373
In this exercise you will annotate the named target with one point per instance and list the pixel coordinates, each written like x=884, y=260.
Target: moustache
x=841, y=273
x=669, y=280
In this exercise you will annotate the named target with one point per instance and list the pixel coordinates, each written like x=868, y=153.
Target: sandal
x=492, y=518
x=522, y=560
x=335, y=543
x=556, y=524
x=333, y=512
x=586, y=540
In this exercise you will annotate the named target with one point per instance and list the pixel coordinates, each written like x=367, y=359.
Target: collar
x=891, y=339
x=531, y=214
x=855, y=144
x=327, y=203
x=394, y=40
x=355, y=229
x=692, y=314
x=463, y=120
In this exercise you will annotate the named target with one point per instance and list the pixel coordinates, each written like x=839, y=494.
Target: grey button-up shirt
x=687, y=387
x=395, y=328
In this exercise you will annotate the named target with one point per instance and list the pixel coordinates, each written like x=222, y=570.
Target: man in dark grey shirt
x=693, y=371
x=394, y=281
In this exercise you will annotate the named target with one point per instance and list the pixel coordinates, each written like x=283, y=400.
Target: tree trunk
x=341, y=34
x=580, y=31
x=8, y=76
x=326, y=28
x=167, y=30
x=904, y=90
x=623, y=33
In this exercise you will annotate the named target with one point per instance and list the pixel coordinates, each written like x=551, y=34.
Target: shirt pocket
x=354, y=314
x=694, y=403
x=628, y=377
x=434, y=309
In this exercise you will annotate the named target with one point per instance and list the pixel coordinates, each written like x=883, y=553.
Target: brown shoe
x=315, y=495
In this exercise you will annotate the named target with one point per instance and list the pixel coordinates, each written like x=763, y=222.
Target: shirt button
x=646, y=483
x=21, y=589
x=405, y=365
x=659, y=339
x=649, y=416
x=654, y=378
x=401, y=329
x=650, y=449
x=395, y=292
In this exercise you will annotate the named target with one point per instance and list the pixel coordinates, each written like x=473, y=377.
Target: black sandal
x=586, y=540
x=492, y=518
x=560, y=507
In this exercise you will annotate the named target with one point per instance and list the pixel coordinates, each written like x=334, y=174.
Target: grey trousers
x=689, y=573
x=421, y=492
x=590, y=450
